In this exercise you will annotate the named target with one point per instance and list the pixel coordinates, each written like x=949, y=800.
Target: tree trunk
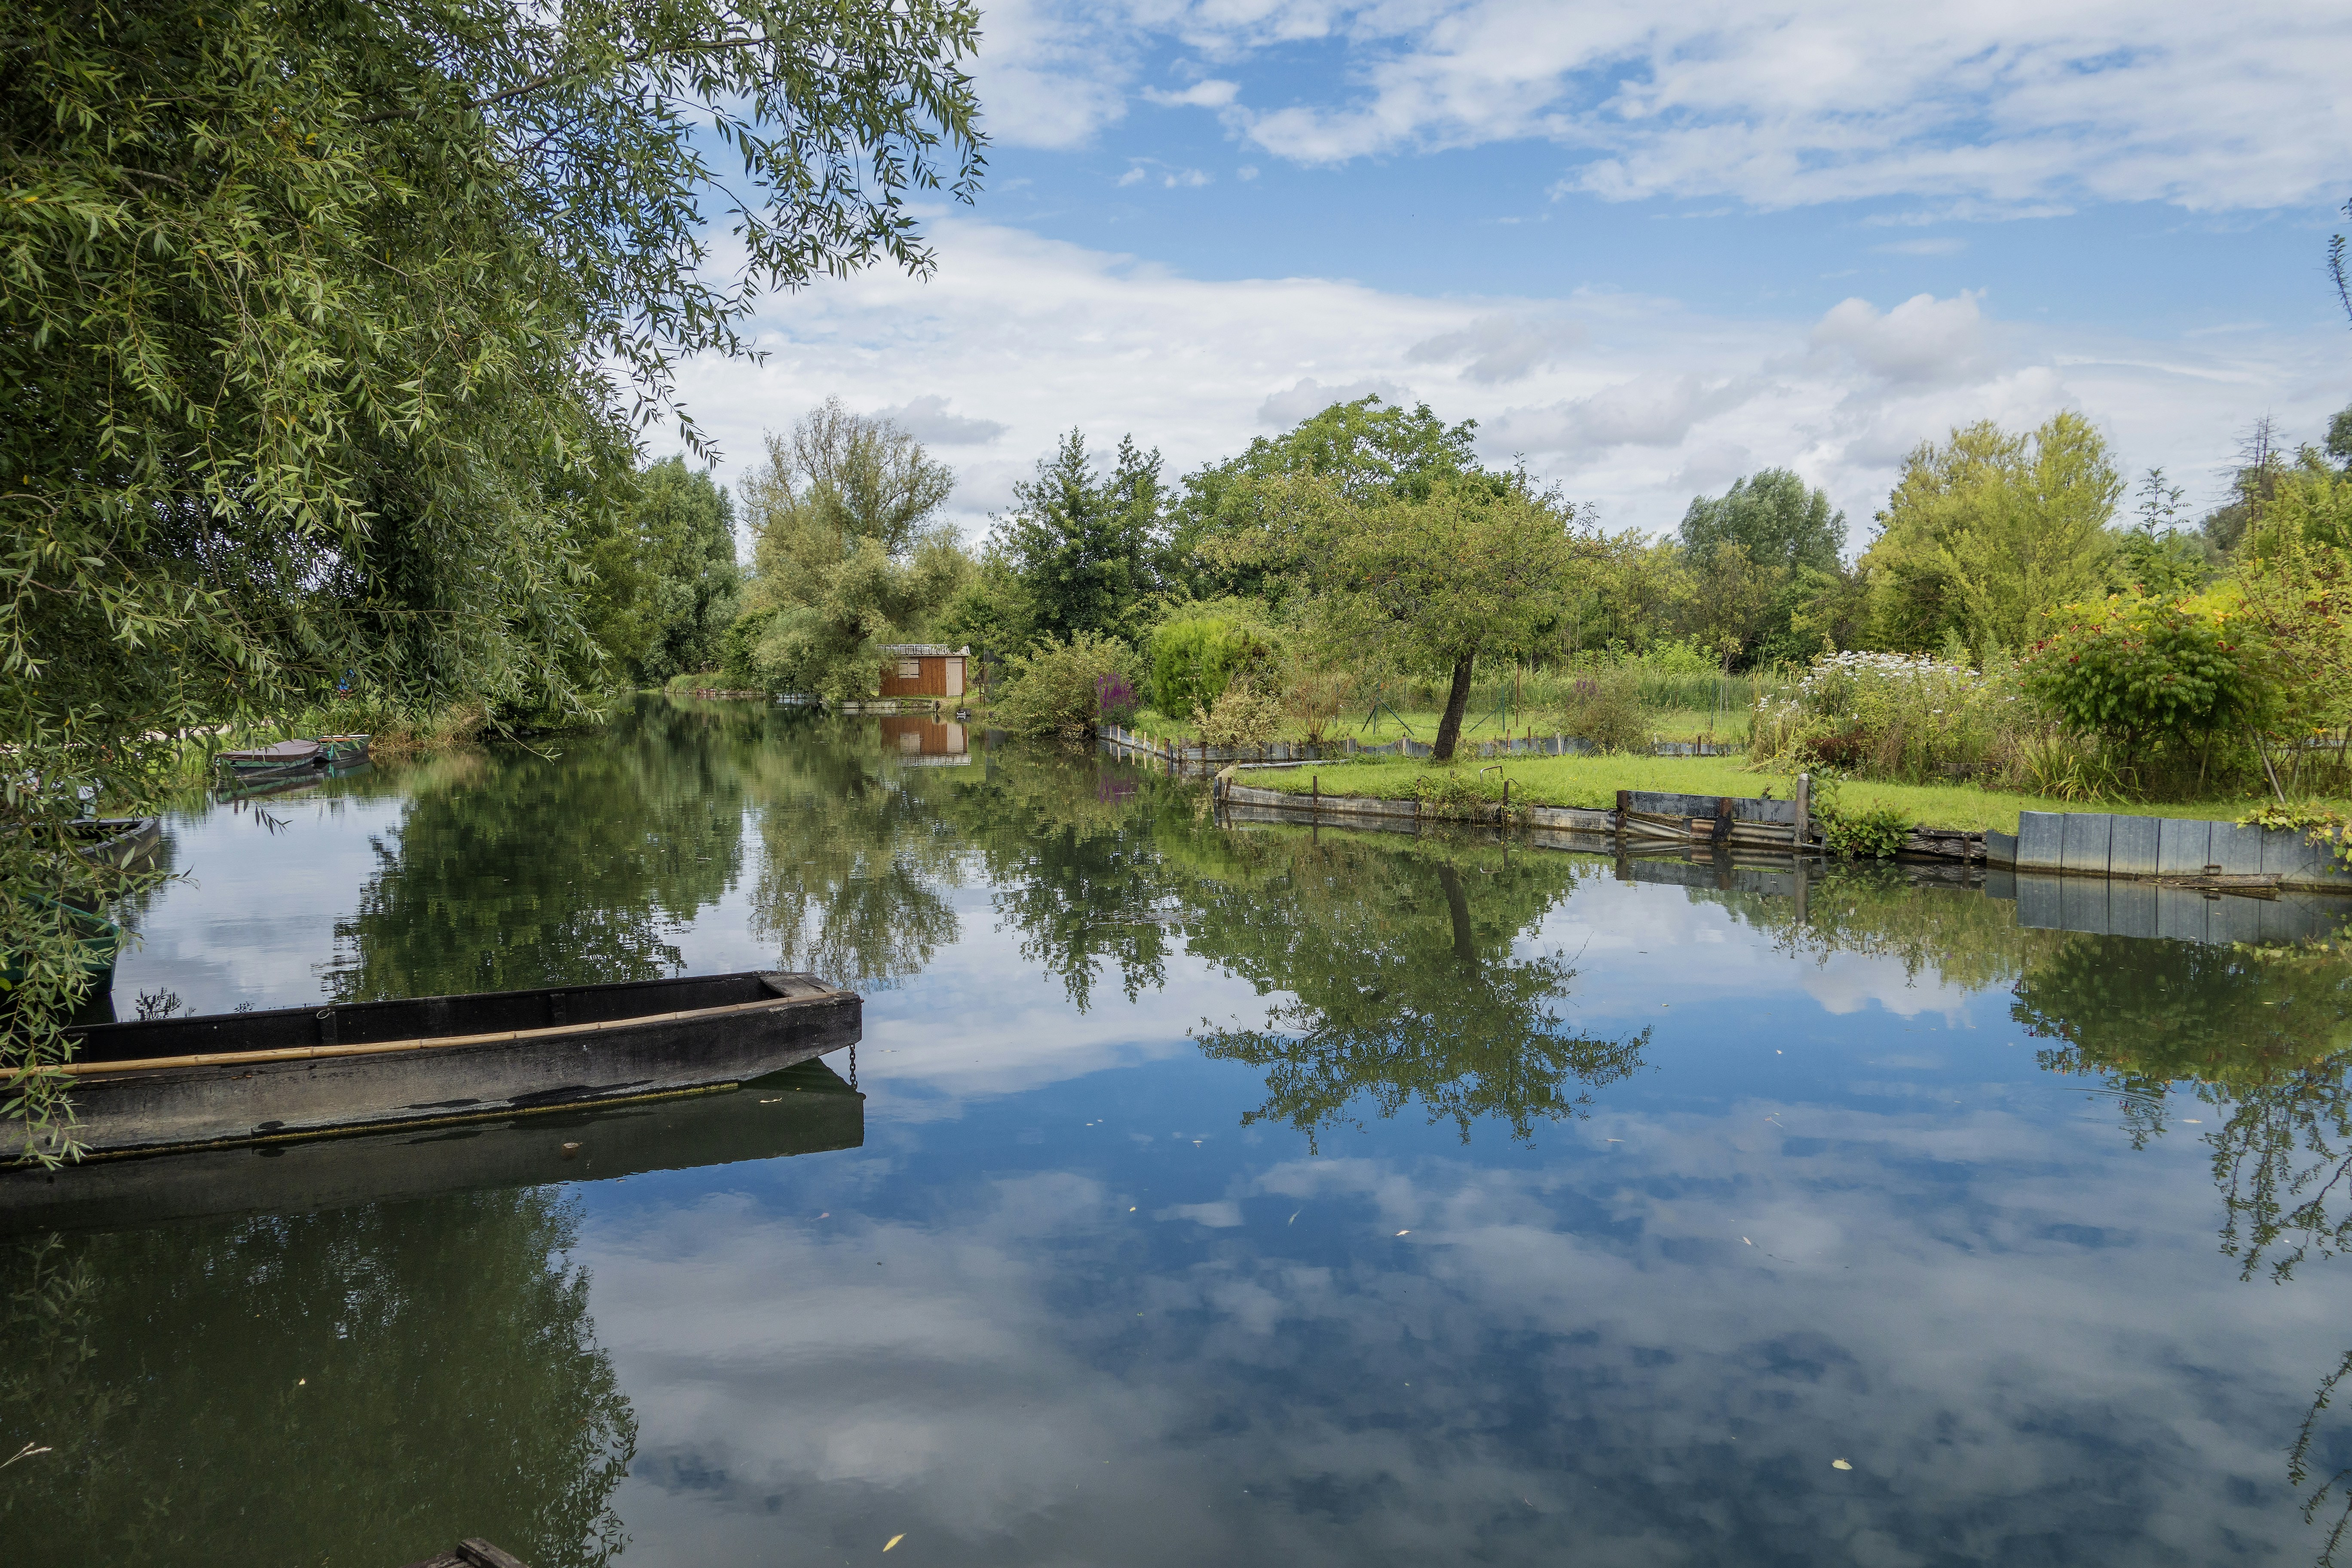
x=1457, y=905
x=1449, y=729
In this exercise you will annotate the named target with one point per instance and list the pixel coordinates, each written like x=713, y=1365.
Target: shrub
x=1245, y=714
x=1606, y=708
x=1892, y=716
x=1114, y=699
x=1316, y=698
x=1876, y=832
x=1195, y=657
x=2153, y=676
x=1450, y=791
x=1052, y=691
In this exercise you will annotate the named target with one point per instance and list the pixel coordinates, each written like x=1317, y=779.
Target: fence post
x=1804, y=811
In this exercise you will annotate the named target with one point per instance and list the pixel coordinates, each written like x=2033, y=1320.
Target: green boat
x=292, y=759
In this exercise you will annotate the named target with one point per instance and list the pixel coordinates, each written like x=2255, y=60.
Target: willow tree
x=850, y=553
x=326, y=333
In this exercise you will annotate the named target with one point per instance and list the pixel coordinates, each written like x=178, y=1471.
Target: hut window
x=910, y=669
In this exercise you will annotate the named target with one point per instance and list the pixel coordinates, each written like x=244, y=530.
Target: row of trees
x=1371, y=540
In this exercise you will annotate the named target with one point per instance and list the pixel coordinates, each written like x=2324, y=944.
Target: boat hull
x=280, y=1092
x=801, y=1111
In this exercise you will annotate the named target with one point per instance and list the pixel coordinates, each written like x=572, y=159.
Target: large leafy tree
x=689, y=587
x=326, y=326
x=1758, y=555
x=1365, y=451
x=850, y=552
x=1986, y=534
x=1428, y=577
x=1772, y=515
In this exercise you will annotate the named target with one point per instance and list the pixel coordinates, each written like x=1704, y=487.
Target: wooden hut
x=923, y=669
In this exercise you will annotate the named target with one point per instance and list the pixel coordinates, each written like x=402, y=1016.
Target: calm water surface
x=1216, y=1196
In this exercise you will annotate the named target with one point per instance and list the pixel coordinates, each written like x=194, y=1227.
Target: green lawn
x=1673, y=724
x=1595, y=781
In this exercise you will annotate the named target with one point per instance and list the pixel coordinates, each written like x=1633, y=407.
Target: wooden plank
x=482, y=1554
x=508, y=1036
x=1744, y=808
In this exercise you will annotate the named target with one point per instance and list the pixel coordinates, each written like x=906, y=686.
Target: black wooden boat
x=803, y=1109
x=295, y=1072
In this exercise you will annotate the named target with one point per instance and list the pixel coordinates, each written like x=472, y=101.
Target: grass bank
x=1672, y=724
x=1593, y=782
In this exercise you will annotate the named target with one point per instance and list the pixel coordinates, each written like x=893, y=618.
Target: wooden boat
x=117, y=840
x=803, y=1109
x=294, y=1072
x=277, y=760
x=473, y=1553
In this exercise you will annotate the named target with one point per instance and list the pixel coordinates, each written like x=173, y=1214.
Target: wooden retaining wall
x=1185, y=755
x=2217, y=856
x=2100, y=905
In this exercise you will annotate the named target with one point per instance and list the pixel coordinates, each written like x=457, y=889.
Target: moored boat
x=295, y=1072
x=803, y=1109
x=281, y=759
x=117, y=840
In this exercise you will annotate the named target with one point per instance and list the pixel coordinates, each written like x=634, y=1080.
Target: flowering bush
x=1114, y=699
x=1889, y=715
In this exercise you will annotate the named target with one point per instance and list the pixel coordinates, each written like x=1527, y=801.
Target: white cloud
x=1037, y=336
x=1134, y=176
x=1210, y=94
x=1922, y=341
x=1309, y=396
x=1185, y=179
x=1647, y=411
x=1995, y=109
x=1947, y=245
x=928, y=419
x=1500, y=347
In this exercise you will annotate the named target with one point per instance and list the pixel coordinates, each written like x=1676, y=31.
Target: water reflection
x=1660, y=1187
x=1399, y=981
x=519, y=867
x=345, y=1386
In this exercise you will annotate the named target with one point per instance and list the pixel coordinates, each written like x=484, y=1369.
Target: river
x=1215, y=1196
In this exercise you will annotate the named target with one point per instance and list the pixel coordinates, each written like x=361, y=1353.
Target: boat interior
x=428, y=1018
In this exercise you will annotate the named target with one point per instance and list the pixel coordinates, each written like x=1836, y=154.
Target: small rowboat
x=298, y=1072
x=279, y=761
x=803, y=1109
x=287, y=759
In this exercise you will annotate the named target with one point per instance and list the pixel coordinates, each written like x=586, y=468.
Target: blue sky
x=1646, y=251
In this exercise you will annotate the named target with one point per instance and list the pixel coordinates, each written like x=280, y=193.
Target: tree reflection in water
x=855, y=863
x=513, y=868
x=2262, y=1036
x=360, y=1386
x=1403, y=986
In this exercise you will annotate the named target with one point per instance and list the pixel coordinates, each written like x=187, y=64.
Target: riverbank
x=1592, y=782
